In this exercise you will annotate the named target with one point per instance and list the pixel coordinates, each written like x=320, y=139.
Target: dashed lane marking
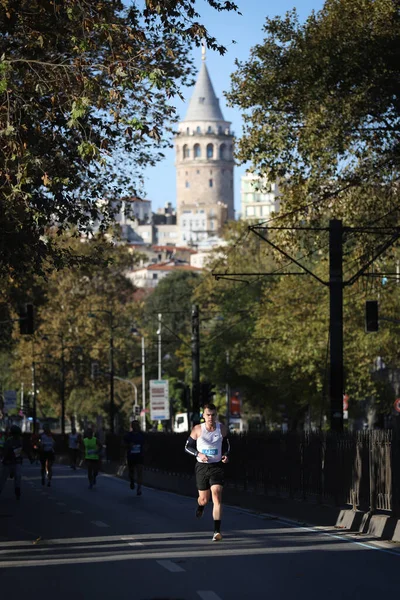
x=99, y=524
x=76, y=512
x=61, y=504
x=208, y=595
x=170, y=566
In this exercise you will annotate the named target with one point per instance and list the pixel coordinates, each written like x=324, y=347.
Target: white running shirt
x=210, y=443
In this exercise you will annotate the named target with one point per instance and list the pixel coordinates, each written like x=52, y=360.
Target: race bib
x=136, y=448
x=17, y=452
x=91, y=452
x=210, y=451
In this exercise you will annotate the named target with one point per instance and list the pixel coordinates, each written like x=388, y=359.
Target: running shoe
x=199, y=511
x=49, y=483
x=217, y=537
x=139, y=490
x=132, y=485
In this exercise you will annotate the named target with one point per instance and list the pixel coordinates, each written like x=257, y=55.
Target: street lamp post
x=111, y=369
x=143, y=386
x=62, y=378
x=159, y=345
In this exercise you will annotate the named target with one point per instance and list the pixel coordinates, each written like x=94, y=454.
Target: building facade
x=259, y=198
x=204, y=165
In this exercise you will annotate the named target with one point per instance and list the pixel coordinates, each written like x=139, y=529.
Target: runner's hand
x=225, y=459
x=203, y=457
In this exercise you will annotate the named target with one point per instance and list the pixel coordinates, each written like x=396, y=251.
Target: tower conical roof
x=204, y=104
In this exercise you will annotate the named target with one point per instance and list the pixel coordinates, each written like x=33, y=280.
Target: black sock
x=217, y=526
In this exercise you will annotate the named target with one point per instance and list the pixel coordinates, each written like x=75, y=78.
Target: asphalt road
x=69, y=542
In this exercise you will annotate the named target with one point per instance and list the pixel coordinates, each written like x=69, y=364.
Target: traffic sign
x=396, y=405
x=345, y=402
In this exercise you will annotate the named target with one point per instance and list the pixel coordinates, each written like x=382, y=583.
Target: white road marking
x=76, y=512
x=170, y=566
x=61, y=504
x=99, y=524
x=208, y=595
x=135, y=544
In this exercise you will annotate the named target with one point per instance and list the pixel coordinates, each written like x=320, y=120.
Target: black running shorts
x=47, y=456
x=209, y=474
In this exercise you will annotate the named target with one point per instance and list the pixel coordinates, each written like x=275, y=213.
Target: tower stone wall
x=204, y=165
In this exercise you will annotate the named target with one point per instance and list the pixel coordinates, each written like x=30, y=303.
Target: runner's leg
x=17, y=480
x=216, y=492
x=139, y=475
x=4, y=475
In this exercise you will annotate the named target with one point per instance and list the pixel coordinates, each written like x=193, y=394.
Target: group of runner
x=208, y=443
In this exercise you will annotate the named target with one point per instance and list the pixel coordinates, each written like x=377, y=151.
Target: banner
x=235, y=405
x=159, y=400
x=10, y=400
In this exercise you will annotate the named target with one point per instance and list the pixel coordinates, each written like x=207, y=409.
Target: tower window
x=186, y=151
x=197, y=151
x=220, y=130
x=209, y=129
x=202, y=100
x=210, y=150
x=187, y=185
x=210, y=182
x=222, y=151
x=198, y=172
x=198, y=130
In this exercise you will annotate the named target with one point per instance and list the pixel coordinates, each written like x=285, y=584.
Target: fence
x=361, y=469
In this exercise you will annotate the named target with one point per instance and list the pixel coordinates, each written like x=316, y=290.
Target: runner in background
x=13, y=451
x=47, y=454
x=92, y=448
x=134, y=442
x=73, y=447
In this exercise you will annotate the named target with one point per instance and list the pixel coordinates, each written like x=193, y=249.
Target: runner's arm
x=226, y=446
x=191, y=446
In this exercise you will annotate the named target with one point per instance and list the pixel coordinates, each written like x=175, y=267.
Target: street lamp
x=112, y=407
x=159, y=345
x=136, y=332
x=62, y=383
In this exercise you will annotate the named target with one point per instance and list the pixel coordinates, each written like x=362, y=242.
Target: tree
x=83, y=84
x=81, y=310
x=321, y=109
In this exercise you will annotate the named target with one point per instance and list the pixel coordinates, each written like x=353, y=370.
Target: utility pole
x=336, y=379
x=227, y=390
x=62, y=386
x=34, y=396
x=159, y=346
x=195, y=364
x=143, y=386
x=111, y=373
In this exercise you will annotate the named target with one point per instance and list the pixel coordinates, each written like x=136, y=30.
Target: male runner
x=134, y=444
x=208, y=442
x=92, y=448
x=12, y=460
x=73, y=447
x=47, y=454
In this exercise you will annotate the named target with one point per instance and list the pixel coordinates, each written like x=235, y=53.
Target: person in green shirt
x=92, y=449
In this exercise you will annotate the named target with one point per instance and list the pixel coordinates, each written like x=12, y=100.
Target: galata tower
x=204, y=165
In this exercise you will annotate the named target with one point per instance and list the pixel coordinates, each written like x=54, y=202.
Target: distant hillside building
x=204, y=165
x=259, y=198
